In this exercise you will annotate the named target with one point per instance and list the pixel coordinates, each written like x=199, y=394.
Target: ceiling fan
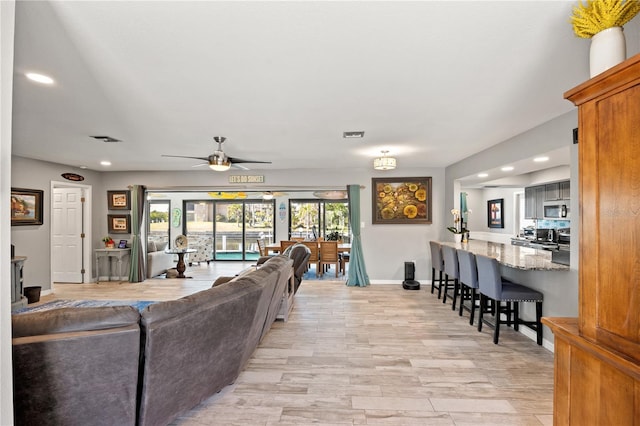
x=219, y=161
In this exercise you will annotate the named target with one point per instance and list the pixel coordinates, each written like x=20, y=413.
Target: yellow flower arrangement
x=598, y=15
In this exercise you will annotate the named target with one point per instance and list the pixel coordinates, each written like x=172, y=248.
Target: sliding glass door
x=311, y=219
x=232, y=227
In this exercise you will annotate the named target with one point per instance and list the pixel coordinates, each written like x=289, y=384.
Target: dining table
x=342, y=247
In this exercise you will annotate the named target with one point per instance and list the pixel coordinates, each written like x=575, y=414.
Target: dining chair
x=494, y=287
x=314, y=257
x=329, y=255
x=451, y=273
x=469, y=287
x=262, y=247
x=284, y=244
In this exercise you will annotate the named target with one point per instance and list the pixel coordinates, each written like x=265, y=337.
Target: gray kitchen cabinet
x=534, y=197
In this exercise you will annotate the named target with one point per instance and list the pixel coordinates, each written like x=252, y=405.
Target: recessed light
x=105, y=163
x=507, y=168
x=354, y=134
x=83, y=167
x=39, y=78
x=541, y=159
x=483, y=175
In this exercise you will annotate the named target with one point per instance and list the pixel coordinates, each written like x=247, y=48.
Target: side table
x=181, y=266
x=116, y=253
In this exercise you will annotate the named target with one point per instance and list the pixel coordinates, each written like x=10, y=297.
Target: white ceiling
x=432, y=82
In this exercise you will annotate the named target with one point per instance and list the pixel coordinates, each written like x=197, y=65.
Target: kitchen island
x=533, y=268
x=517, y=257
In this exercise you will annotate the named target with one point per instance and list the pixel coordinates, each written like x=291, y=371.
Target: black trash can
x=32, y=294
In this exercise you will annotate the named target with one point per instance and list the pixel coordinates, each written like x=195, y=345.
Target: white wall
x=35, y=241
x=7, y=22
x=386, y=247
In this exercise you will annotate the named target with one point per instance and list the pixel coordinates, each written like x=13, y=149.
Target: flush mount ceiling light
x=267, y=195
x=354, y=134
x=105, y=163
x=384, y=162
x=39, y=78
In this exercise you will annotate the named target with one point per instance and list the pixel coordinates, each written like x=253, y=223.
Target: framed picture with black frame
x=26, y=206
x=495, y=213
x=122, y=244
x=119, y=223
x=119, y=200
x=402, y=200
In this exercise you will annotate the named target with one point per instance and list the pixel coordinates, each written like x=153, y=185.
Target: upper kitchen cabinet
x=534, y=197
x=557, y=191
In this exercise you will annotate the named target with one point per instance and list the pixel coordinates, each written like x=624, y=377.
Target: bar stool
x=468, y=282
x=494, y=287
x=437, y=264
x=451, y=273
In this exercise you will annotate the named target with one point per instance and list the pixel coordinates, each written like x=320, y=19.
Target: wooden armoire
x=597, y=355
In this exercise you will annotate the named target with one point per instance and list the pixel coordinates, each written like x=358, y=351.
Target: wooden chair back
x=262, y=248
x=314, y=259
x=284, y=244
x=329, y=254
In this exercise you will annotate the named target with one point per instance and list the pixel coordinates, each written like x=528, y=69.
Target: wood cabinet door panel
x=618, y=224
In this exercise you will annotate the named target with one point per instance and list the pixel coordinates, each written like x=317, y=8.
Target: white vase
x=457, y=238
x=608, y=48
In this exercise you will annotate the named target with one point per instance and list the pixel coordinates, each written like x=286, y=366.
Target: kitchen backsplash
x=553, y=224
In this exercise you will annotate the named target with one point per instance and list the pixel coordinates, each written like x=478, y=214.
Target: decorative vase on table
x=457, y=238
x=608, y=49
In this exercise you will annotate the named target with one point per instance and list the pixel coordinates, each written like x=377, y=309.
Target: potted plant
x=108, y=242
x=333, y=236
x=457, y=228
x=602, y=21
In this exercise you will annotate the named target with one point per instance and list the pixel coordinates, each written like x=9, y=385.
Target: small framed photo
x=122, y=244
x=119, y=223
x=401, y=200
x=119, y=200
x=495, y=213
x=26, y=206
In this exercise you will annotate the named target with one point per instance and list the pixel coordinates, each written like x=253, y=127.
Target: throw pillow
x=151, y=246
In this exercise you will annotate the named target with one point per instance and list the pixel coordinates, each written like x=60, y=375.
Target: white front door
x=67, y=235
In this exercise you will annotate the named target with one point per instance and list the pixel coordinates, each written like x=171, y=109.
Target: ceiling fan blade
x=239, y=167
x=186, y=156
x=235, y=160
x=200, y=165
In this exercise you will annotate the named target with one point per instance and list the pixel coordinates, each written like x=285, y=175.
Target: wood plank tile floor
x=378, y=355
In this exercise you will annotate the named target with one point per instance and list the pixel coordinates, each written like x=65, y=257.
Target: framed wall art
x=495, y=213
x=119, y=200
x=401, y=200
x=119, y=223
x=26, y=206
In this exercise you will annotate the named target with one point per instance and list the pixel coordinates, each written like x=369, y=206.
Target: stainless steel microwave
x=555, y=210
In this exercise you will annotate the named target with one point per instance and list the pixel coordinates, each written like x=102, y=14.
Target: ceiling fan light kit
x=219, y=161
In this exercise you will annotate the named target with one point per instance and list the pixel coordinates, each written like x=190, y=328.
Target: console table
x=17, y=298
x=110, y=254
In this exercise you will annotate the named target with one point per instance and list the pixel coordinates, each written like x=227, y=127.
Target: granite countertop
x=512, y=256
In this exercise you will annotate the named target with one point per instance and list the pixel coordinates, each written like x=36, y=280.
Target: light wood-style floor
x=374, y=355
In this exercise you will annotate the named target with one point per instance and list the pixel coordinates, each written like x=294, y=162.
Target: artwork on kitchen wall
x=26, y=206
x=495, y=213
x=404, y=200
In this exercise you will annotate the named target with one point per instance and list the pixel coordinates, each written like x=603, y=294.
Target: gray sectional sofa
x=118, y=366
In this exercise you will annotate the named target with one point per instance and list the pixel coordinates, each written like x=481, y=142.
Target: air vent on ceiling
x=354, y=134
x=491, y=186
x=106, y=139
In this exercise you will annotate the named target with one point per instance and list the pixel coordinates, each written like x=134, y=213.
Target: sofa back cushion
x=67, y=320
x=193, y=347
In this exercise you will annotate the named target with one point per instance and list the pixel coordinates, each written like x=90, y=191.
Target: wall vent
x=106, y=139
